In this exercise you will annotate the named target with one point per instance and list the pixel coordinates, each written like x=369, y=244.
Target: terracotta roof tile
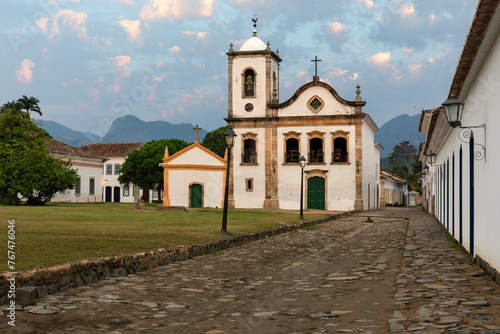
x=106, y=150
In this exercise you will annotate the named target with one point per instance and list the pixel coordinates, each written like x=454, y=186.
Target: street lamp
x=302, y=163
x=431, y=158
x=453, y=109
x=230, y=136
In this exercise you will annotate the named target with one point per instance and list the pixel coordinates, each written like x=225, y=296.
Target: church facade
x=333, y=134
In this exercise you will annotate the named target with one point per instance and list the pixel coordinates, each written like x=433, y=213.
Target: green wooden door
x=196, y=196
x=316, y=193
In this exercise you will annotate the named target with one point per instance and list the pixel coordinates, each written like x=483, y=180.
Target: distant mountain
x=130, y=129
x=398, y=129
x=68, y=136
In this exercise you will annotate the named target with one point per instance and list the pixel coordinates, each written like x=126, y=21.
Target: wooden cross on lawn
x=197, y=129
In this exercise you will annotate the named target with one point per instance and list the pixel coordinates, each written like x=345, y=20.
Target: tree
x=402, y=154
x=27, y=171
x=141, y=166
x=215, y=141
x=29, y=104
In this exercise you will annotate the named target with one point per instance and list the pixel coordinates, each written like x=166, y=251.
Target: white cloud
x=408, y=50
x=200, y=35
x=69, y=18
x=174, y=49
x=406, y=10
x=380, y=59
x=25, y=73
x=368, y=3
x=133, y=30
x=159, y=78
x=338, y=72
x=415, y=68
x=114, y=90
x=121, y=63
x=300, y=74
x=160, y=9
x=337, y=27
x=354, y=76
x=395, y=73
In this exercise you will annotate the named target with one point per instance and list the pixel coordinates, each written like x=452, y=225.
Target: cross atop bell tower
x=197, y=141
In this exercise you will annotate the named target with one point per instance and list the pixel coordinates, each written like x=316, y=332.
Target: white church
x=333, y=134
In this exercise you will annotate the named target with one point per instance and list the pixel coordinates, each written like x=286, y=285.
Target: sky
x=92, y=61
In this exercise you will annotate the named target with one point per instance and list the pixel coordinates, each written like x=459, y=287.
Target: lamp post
x=302, y=163
x=230, y=135
x=453, y=109
x=431, y=158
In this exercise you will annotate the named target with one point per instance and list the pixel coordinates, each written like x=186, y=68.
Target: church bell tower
x=253, y=78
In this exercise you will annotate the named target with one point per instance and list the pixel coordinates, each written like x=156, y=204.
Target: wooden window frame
x=290, y=135
x=344, y=135
x=313, y=135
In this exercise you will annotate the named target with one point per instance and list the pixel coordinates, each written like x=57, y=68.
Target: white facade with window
x=460, y=187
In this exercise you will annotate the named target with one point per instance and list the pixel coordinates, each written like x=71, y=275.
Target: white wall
x=371, y=160
x=212, y=183
x=87, y=168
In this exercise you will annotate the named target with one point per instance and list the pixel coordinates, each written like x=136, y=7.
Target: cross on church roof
x=316, y=60
x=254, y=20
x=197, y=129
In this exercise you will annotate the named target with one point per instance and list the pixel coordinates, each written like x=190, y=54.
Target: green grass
x=58, y=233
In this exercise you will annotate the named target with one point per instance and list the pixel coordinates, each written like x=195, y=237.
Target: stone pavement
x=347, y=276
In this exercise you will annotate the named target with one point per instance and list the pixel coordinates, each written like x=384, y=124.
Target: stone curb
x=49, y=280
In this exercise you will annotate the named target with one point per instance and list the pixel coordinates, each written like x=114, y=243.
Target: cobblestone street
x=347, y=276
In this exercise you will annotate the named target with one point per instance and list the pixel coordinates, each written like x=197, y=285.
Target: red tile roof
x=99, y=150
x=107, y=150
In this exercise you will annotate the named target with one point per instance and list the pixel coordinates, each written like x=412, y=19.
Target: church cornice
x=255, y=53
x=283, y=121
x=316, y=84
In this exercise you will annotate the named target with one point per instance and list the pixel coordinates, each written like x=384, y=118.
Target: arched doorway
x=316, y=193
x=196, y=197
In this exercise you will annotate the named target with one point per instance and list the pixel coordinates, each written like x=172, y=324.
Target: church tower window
x=340, y=152
x=249, y=83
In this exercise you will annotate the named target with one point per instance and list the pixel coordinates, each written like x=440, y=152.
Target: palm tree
x=29, y=104
x=10, y=105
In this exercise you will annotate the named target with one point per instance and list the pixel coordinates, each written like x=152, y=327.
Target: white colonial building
x=394, y=189
x=333, y=134
x=460, y=186
x=98, y=167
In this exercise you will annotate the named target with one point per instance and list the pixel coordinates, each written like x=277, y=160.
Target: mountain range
x=130, y=129
x=126, y=129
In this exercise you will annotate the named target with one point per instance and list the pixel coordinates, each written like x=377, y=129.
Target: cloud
x=380, y=59
x=406, y=10
x=25, y=73
x=174, y=49
x=415, y=68
x=368, y=3
x=114, y=90
x=300, y=74
x=121, y=63
x=200, y=35
x=160, y=9
x=354, y=76
x=69, y=18
x=408, y=50
x=337, y=27
x=93, y=94
x=338, y=72
x=159, y=78
x=133, y=30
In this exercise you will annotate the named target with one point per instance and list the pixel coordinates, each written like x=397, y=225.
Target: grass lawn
x=58, y=233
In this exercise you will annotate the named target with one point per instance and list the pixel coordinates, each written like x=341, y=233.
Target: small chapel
x=333, y=135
